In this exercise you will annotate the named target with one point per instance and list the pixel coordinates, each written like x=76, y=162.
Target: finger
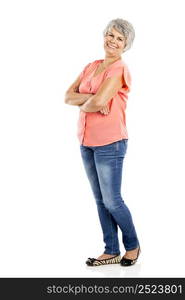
x=102, y=111
x=106, y=110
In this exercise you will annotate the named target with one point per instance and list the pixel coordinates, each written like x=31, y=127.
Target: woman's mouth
x=111, y=46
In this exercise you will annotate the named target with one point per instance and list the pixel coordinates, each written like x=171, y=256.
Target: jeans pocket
x=106, y=149
x=121, y=146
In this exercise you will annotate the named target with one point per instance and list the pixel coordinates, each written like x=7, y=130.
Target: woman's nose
x=113, y=39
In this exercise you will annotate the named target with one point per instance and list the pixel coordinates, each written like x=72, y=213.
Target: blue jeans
x=103, y=166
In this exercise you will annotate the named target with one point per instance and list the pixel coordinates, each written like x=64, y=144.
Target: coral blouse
x=95, y=128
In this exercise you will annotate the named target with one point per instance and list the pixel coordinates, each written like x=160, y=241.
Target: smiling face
x=114, y=43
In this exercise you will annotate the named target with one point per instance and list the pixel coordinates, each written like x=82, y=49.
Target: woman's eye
x=118, y=38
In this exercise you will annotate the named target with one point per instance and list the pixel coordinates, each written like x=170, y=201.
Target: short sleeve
x=121, y=70
x=84, y=71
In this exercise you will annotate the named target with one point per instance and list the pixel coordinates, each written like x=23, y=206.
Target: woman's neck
x=110, y=59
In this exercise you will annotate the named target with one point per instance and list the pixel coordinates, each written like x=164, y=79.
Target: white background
x=48, y=218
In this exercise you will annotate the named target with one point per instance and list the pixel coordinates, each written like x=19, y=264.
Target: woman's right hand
x=105, y=110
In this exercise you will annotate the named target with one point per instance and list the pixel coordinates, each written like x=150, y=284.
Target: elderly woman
x=101, y=91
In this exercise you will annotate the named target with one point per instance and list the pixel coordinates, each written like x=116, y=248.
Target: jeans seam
x=111, y=234
x=117, y=146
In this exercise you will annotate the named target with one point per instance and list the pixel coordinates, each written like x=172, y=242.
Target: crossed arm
x=91, y=102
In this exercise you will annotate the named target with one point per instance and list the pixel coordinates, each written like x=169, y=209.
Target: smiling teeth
x=111, y=46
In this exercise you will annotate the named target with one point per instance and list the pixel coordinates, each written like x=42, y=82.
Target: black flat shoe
x=98, y=262
x=129, y=262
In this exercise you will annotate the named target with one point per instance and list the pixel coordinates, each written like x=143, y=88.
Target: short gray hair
x=125, y=28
